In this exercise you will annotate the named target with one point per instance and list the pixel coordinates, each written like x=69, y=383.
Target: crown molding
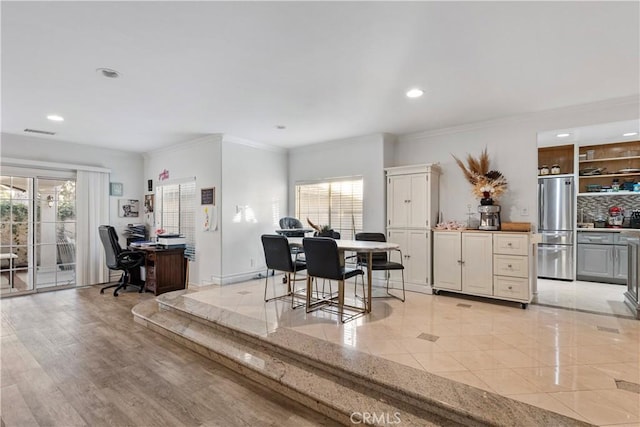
x=518, y=118
x=321, y=146
x=253, y=144
x=211, y=138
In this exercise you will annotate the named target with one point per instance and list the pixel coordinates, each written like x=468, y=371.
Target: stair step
x=338, y=382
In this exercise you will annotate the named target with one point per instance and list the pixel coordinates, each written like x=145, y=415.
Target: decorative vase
x=486, y=199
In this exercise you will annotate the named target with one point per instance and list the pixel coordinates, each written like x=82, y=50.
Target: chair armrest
x=131, y=259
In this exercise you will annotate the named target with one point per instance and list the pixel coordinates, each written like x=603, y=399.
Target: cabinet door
x=418, y=215
x=621, y=262
x=446, y=260
x=398, y=196
x=477, y=263
x=595, y=261
x=417, y=265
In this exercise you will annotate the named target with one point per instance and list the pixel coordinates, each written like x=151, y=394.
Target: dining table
x=360, y=246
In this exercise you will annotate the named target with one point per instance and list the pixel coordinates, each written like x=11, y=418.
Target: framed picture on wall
x=128, y=208
x=148, y=203
x=116, y=189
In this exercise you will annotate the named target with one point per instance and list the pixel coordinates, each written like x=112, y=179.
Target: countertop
x=607, y=230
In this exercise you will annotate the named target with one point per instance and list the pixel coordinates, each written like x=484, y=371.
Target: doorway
x=37, y=234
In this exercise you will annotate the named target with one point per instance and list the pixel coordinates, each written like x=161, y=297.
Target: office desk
x=356, y=246
x=165, y=269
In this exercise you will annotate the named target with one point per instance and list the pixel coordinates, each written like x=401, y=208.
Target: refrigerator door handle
x=541, y=207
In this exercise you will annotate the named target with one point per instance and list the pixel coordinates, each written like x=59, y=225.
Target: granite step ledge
x=365, y=380
x=331, y=396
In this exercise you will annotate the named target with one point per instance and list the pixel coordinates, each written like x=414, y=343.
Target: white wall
x=254, y=198
x=360, y=156
x=512, y=148
x=200, y=158
x=126, y=167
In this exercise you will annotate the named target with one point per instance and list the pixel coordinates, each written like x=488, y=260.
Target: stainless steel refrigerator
x=556, y=222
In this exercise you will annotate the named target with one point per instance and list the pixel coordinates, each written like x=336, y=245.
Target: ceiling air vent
x=43, y=132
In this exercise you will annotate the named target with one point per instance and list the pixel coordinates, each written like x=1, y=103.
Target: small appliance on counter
x=489, y=217
x=634, y=221
x=616, y=217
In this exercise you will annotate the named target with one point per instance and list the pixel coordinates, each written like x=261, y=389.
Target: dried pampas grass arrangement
x=485, y=183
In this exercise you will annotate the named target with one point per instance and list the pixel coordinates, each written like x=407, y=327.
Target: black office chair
x=323, y=262
x=380, y=261
x=278, y=257
x=119, y=259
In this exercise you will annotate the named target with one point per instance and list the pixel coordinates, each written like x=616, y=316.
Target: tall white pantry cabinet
x=412, y=209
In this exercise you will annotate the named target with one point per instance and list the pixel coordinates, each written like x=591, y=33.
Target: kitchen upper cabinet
x=412, y=196
x=493, y=264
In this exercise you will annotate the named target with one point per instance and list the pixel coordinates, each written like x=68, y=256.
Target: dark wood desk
x=165, y=269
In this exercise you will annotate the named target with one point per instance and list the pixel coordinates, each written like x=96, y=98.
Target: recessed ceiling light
x=281, y=127
x=415, y=93
x=630, y=134
x=108, y=73
x=563, y=135
x=55, y=118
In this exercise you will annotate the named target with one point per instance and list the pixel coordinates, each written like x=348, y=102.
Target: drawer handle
x=509, y=266
x=510, y=287
x=509, y=244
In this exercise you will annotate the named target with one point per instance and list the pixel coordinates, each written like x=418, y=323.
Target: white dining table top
x=353, y=245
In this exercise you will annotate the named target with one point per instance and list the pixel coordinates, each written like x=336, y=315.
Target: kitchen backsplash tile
x=593, y=206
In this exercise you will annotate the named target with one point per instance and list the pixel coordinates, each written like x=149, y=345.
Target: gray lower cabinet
x=595, y=261
x=620, y=263
x=600, y=259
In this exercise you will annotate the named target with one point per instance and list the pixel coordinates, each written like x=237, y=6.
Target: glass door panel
x=55, y=233
x=16, y=234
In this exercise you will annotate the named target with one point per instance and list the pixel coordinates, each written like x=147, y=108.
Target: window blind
x=175, y=204
x=337, y=204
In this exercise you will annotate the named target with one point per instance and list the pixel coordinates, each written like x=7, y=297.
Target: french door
x=37, y=233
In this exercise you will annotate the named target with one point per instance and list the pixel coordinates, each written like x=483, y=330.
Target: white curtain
x=92, y=210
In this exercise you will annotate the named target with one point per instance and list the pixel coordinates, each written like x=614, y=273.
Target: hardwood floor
x=76, y=358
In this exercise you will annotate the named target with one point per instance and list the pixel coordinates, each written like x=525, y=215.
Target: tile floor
x=586, y=296
x=579, y=364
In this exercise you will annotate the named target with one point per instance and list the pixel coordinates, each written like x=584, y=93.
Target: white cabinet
x=477, y=265
x=412, y=208
x=414, y=245
x=492, y=264
x=462, y=262
x=447, y=253
x=412, y=196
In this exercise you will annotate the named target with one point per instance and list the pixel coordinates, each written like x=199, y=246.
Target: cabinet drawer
x=623, y=239
x=511, y=287
x=595, y=237
x=511, y=265
x=510, y=244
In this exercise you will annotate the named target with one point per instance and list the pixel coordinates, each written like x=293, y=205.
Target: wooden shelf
x=610, y=159
x=610, y=175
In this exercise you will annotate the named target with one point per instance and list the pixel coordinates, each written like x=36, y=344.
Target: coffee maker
x=489, y=217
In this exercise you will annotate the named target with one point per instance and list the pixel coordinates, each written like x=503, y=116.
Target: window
x=336, y=203
x=175, y=205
